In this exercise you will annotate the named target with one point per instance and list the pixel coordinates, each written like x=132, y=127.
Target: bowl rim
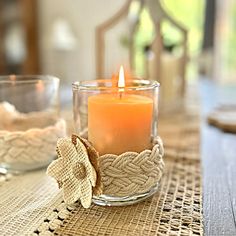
x=24, y=79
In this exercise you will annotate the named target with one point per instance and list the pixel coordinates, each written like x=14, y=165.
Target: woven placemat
x=25, y=200
x=176, y=209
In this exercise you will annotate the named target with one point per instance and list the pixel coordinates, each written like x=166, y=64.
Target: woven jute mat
x=176, y=209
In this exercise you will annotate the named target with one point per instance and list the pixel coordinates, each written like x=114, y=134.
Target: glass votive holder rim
x=93, y=85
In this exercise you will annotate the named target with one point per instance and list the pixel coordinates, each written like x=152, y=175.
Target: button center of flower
x=79, y=170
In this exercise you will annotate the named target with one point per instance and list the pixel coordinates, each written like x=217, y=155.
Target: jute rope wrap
x=28, y=139
x=131, y=173
x=124, y=175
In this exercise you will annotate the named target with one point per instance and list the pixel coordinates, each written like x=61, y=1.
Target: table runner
x=175, y=210
x=24, y=201
x=31, y=204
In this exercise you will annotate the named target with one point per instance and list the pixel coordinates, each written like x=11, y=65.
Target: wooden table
x=218, y=152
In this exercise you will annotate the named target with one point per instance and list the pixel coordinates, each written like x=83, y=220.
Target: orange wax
x=117, y=125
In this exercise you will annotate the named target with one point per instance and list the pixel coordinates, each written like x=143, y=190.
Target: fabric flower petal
x=93, y=176
x=67, y=150
x=74, y=171
x=83, y=154
x=56, y=170
x=71, y=191
x=86, y=194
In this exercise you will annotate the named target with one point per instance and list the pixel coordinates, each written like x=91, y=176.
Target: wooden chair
x=158, y=16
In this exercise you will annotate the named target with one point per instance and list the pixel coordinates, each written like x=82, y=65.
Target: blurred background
x=157, y=39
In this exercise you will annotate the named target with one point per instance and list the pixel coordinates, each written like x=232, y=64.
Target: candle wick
x=120, y=91
x=120, y=95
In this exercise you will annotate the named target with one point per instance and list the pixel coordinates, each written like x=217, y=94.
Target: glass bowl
x=30, y=123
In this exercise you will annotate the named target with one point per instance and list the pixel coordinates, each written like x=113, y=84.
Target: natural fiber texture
x=28, y=140
x=131, y=173
x=175, y=210
x=93, y=158
x=127, y=174
x=26, y=200
x=73, y=171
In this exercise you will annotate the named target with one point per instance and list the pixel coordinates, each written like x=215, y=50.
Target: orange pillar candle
x=120, y=122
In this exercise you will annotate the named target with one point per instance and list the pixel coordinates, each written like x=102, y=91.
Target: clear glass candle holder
x=30, y=123
x=117, y=120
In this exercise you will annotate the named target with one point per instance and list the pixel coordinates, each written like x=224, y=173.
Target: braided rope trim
x=127, y=174
x=132, y=173
x=32, y=146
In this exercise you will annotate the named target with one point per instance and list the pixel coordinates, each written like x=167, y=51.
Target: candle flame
x=121, y=81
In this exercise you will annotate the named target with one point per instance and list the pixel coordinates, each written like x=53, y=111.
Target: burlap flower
x=73, y=171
